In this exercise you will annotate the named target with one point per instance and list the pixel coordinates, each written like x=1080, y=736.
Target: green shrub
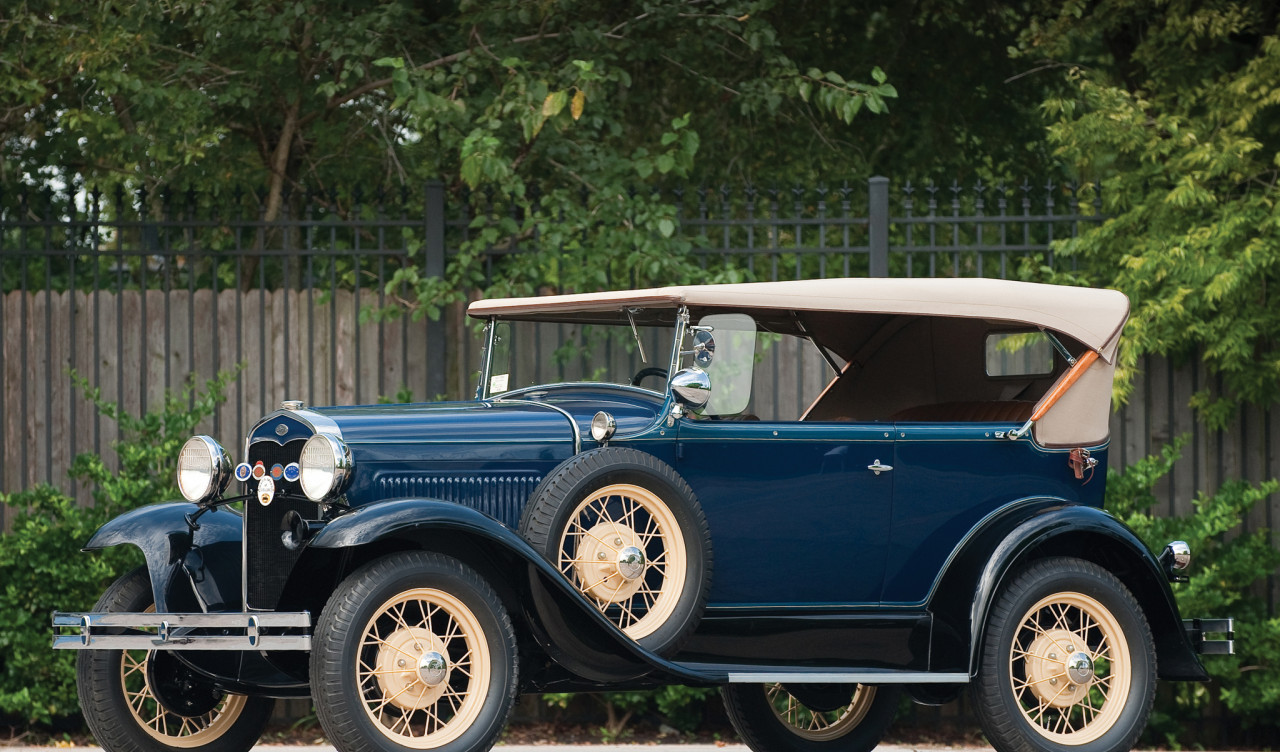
x=1227, y=567
x=41, y=566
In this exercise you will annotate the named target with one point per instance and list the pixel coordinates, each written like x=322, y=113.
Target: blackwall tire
x=414, y=651
x=628, y=532
x=122, y=711
x=771, y=719
x=1067, y=663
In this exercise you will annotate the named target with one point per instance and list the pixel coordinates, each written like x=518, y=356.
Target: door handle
x=877, y=468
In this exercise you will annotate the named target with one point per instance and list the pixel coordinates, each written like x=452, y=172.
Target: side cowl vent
x=499, y=495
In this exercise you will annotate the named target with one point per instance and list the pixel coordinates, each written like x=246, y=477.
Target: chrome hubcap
x=1080, y=668
x=630, y=562
x=432, y=668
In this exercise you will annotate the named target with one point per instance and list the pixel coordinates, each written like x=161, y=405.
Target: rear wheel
x=1068, y=662
x=414, y=651
x=810, y=717
x=148, y=701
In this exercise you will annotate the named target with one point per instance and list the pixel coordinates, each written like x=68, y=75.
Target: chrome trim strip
x=577, y=432
x=852, y=676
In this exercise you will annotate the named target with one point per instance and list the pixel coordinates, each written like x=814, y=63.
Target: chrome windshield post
x=486, y=358
x=682, y=323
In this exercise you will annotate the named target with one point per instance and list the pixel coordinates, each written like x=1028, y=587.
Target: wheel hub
x=412, y=669
x=177, y=688
x=1059, y=669
x=611, y=563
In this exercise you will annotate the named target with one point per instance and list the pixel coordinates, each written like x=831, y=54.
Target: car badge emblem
x=243, y=471
x=259, y=470
x=292, y=472
x=277, y=471
x=266, y=491
x=282, y=429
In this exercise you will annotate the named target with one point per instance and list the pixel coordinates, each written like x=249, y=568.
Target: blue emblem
x=242, y=472
x=292, y=472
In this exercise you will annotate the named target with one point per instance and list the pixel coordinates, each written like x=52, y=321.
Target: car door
x=797, y=518
x=949, y=477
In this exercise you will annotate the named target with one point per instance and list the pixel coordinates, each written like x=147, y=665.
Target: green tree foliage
x=41, y=565
x=1175, y=117
x=1227, y=567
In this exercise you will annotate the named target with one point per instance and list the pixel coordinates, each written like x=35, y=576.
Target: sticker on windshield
x=498, y=383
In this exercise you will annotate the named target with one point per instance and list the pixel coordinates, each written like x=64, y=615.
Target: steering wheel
x=645, y=373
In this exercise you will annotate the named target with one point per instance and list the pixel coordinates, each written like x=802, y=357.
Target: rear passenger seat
x=1011, y=411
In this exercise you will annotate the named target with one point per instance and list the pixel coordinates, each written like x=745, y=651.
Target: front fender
x=1044, y=529
x=566, y=625
x=207, y=559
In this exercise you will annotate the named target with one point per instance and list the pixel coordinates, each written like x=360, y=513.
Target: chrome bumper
x=152, y=631
x=1198, y=629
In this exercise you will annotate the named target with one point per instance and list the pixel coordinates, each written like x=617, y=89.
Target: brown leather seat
x=1011, y=411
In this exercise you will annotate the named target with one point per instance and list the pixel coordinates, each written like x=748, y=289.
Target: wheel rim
x=815, y=725
x=164, y=725
x=1070, y=668
x=623, y=549
x=423, y=668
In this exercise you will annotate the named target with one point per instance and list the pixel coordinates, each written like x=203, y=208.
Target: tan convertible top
x=1094, y=317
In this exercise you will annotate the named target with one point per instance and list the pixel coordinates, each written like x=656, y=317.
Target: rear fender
x=1040, y=529
x=567, y=626
x=182, y=563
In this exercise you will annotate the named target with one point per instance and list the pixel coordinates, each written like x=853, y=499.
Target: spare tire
x=627, y=531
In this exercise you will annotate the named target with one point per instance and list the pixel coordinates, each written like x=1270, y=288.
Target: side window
x=1018, y=354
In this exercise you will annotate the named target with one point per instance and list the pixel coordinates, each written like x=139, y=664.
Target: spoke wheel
x=626, y=531
x=623, y=550
x=125, y=711
x=836, y=718
x=1070, y=668
x=162, y=724
x=423, y=668
x=1067, y=662
x=816, y=725
x=414, y=651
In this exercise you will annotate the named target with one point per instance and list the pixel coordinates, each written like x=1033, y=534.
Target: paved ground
x=550, y=748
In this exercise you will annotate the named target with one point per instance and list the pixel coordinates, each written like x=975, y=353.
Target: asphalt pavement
x=551, y=747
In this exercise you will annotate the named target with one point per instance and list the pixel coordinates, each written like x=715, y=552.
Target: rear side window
x=1019, y=354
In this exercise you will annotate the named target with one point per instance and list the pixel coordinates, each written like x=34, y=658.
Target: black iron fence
x=134, y=291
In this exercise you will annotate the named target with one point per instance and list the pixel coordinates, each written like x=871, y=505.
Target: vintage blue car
x=611, y=511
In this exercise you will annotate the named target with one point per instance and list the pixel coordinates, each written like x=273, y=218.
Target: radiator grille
x=268, y=563
x=499, y=495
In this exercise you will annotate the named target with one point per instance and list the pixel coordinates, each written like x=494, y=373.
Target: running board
x=753, y=674
x=123, y=631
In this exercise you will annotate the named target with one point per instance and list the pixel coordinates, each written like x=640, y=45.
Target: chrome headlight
x=203, y=469
x=325, y=465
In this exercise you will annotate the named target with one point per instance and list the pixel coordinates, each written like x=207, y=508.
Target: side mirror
x=704, y=348
x=691, y=387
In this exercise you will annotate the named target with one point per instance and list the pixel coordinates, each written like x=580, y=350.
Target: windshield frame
x=488, y=347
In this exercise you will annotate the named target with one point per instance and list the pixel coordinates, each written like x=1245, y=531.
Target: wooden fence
x=134, y=345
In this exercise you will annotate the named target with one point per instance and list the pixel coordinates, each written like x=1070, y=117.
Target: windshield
x=533, y=353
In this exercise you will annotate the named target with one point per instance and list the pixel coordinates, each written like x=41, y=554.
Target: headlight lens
x=325, y=466
x=203, y=469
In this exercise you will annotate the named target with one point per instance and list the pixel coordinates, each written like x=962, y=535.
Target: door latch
x=877, y=468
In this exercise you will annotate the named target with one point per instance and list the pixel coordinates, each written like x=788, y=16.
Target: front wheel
x=810, y=717
x=414, y=651
x=148, y=701
x=1068, y=662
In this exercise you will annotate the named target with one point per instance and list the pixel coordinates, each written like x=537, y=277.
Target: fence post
x=433, y=266
x=878, y=214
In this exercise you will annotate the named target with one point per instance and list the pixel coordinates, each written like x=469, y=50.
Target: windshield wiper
x=635, y=333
